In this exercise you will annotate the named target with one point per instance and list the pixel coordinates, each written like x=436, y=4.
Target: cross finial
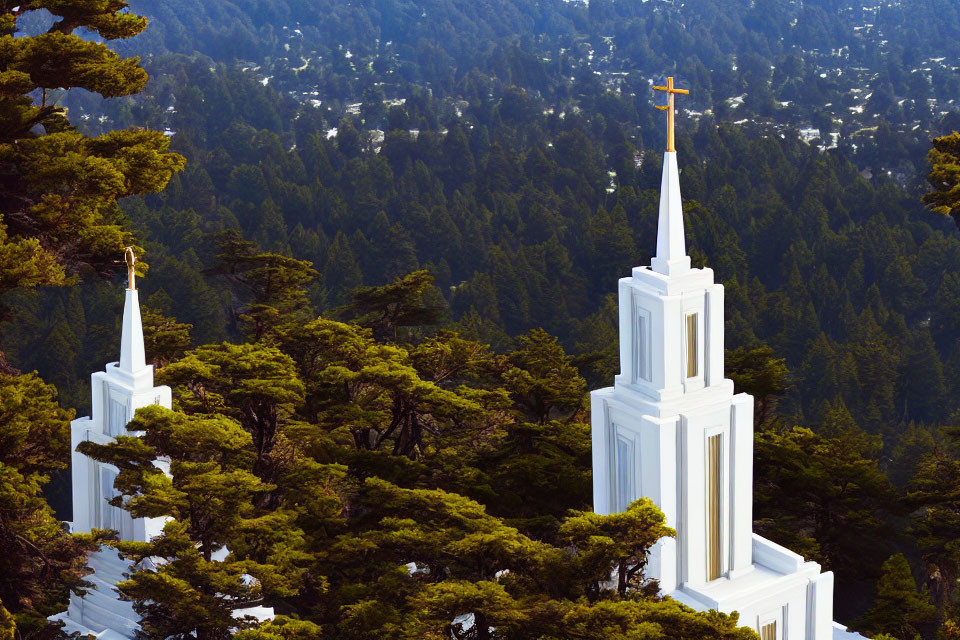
x=130, y=259
x=670, y=90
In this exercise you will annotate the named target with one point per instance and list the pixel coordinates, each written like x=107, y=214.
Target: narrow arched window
x=692, y=368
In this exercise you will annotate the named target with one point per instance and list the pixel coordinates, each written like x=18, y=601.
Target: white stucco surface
x=650, y=434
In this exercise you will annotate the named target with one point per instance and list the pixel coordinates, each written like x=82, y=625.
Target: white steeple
x=671, y=258
x=116, y=394
x=671, y=255
x=132, y=357
x=672, y=430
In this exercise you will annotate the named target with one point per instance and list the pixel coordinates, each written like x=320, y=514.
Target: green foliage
x=759, y=373
x=164, y=339
x=620, y=539
x=40, y=562
x=59, y=188
x=371, y=394
x=824, y=495
x=536, y=473
x=944, y=176
x=282, y=628
x=900, y=609
x=474, y=577
x=933, y=491
x=628, y=619
x=253, y=383
x=949, y=631
x=8, y=626
x=542, y=379
x=400, y=304
x=270, y=287
x=209, y=499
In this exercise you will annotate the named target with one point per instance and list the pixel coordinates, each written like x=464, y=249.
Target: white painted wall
x=664, y=419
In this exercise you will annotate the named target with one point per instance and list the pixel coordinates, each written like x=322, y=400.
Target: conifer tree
x=823, y=494
x=255, y=384
x=900, y=609
x=542, y=379
x=620, y=539
x=403, y=303
x=59, y=188
x=40, y=561
x=933, y=490
x=270, y=287
x=282, y=628
x=164, y=339
x=208, y=503
x=372, y=395
x=759, y=373
x=944, y=176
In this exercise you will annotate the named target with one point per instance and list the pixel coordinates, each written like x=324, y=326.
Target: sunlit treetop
x=58, y=188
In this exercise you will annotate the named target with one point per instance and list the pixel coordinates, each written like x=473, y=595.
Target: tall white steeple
x=132, y=356
x=671, y=255
x=116, y=393
x=671, y=429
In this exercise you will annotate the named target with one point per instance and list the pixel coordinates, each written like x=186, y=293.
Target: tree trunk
x=482, y=625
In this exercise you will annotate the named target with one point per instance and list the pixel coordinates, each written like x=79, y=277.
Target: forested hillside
x=454, y=189
x=876, y=80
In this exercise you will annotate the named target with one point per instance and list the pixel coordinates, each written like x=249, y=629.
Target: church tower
x=117, y=392
x=671, y=429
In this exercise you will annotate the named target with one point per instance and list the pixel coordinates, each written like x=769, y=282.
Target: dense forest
x=382, y=283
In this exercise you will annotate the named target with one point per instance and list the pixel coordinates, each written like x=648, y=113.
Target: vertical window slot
x=625, y=462
x=641, y=346
x=769, y=631
x=714, y=555
x=692, y=368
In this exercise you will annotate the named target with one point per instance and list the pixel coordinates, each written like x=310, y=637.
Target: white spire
x=671, y=255
x=132, y=358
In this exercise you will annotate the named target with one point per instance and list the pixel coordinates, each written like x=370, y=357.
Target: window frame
x=623, y=437
x=691, y=334
x=641, y=360
x=714, y=503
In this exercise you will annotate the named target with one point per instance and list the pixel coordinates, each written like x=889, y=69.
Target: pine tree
x=40, y=562
x=823, y=494
x=282, y=628
x=900, y=609
x=341, y=273
x=542, y=380
x=208, y=501
x=620, y=539
x=59, y=188
x=944, y=176
x=936, y=524
x=372, y=396
x=253, y=383
x=403, y=303
x=164, y=339
x=270, y=288
x=757, y=372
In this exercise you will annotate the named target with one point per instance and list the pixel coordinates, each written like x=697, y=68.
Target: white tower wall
x=652, y=434
x=116, y=394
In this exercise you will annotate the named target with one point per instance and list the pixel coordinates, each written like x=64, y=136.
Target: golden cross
x=130, y=259
x=669, y=108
